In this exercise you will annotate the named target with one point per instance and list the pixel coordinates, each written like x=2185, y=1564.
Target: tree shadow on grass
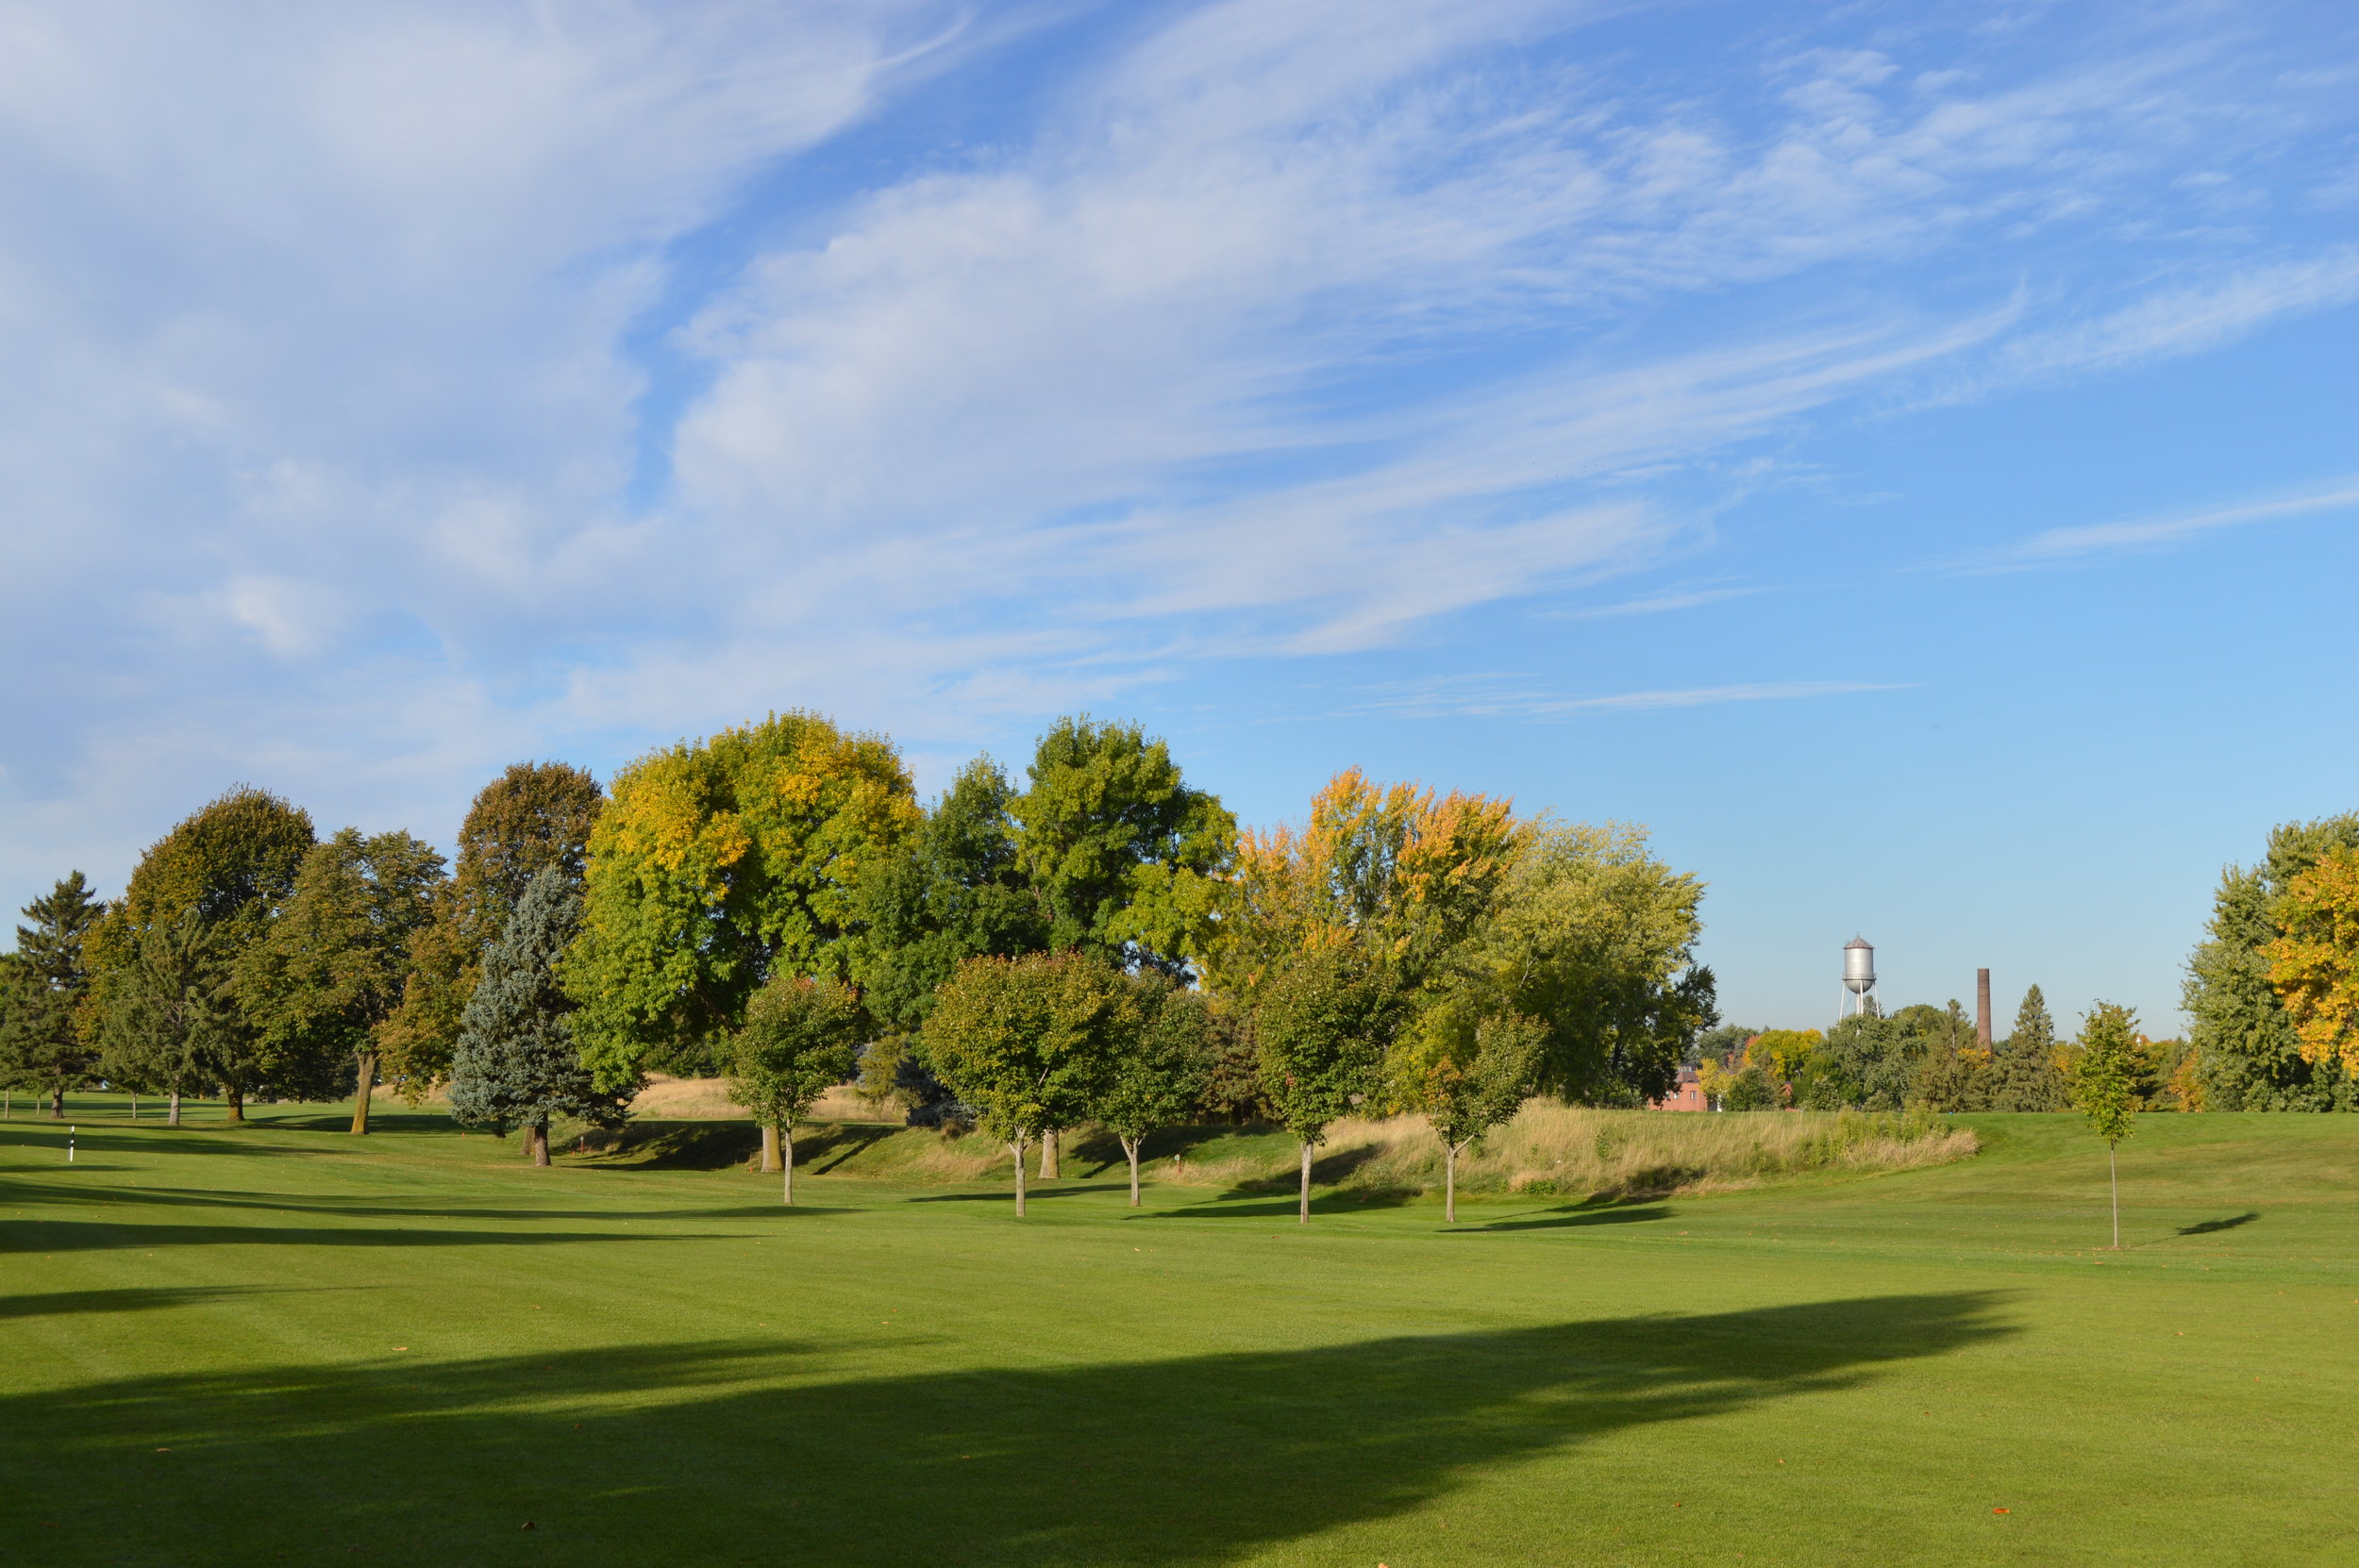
x=838, y=1142
x=288, y=1203
x=51, y=1236
x=2207, y=1227
x=677, y=1147
x=129, y=1299
x=1572, y=1217
x=745, y=1453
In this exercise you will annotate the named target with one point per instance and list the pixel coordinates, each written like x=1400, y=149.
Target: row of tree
x=774, y=903
x=1929, y=1057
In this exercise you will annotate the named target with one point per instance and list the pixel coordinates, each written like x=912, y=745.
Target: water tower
x=1859, y=976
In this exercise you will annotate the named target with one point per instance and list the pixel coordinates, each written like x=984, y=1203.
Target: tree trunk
x=368, y=1087
x=786, y=1161
x=1051, y=1162
x=769, y=1150
x=537, y=1139
x=1306, y=1181
x=234, y=1100
x=57, y=1105
x=172, y=1117
x=1450, y=1183
x=1130, y=1147
x=1017, y=1144
x=135, y=1107
x=2114, y=1170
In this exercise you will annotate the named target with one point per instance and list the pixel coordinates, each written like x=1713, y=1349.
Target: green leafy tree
x=1466, y=1073
x=326, y=977
x=2109, y=1085
x=1124, y=856
x=1160, y=1070
x=1323, y=1024
x=1596, y=938
x=954, y=891
x=1030, y=1043
x=2024, y=1074
x=174, y=1013
x=45, y=1041
x=1869, y=1061
x=1955, y=1072
x=1751, y=1088
x=2251, y=1055
x=801, y=1037
x=714, y=866
x=233, y=862
x=533, y=816
x=517, y=1064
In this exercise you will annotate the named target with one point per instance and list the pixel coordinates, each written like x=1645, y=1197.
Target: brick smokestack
x=1982, y=1007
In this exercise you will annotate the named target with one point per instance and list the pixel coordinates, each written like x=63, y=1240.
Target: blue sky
x=1906, y=455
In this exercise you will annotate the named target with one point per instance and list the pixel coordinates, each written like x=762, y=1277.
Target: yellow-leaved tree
x=1402, y=872
x=717, y=865
x=2314, y=963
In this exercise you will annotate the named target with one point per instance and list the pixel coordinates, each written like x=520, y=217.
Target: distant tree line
x=1928, y=1057
x=1098, y=942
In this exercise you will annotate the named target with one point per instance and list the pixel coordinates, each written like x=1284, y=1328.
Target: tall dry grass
x=1554, y=1148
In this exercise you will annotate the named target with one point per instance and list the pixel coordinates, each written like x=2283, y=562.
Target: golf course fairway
x=279, y=1343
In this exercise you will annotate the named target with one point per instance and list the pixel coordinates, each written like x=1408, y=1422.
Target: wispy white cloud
x=1496, y=696
x=2058, y=545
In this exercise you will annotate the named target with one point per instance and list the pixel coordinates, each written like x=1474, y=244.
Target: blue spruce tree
x=516, y=1064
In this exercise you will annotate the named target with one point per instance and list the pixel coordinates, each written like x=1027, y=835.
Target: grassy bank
x=1548, y=1149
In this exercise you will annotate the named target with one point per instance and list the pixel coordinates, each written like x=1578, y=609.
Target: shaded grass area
x=283, y=1345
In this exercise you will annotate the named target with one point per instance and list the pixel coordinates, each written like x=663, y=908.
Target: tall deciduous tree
x=533, y=816
x=953, y=891
x=1596, y=938
x=1160, y=1070
x=233, y=862
x=517, y=1064
x=1323, y=1022
x=174, y=1013
x=1030, y=1041
x=1955, y=1074
x=326, y=979
x=45, y=1040
x=714, y=866
x=1467, y=1073
x=2108, y=1086
x=2024, y=1074
x=801, y=1039
x=2250, y=1058
x=2314, y=963
x=1122, y=853
x=1404, y=873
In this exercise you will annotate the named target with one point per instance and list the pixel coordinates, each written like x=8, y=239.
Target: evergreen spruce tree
x=42, y=1044
x=516, y=1064
x=2025, y=1077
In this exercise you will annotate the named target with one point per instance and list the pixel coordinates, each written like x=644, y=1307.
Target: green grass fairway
x=281, y=1343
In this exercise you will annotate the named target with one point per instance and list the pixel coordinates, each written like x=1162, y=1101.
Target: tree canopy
x=801, y=1039
x=714, y=866
x=1122, y=854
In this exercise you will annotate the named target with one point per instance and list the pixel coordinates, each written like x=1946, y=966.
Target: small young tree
x=2108, y=1085
x=1160, y=1072
x=1028, y=1042
x=801, y=1037
x=516, y=1064
x=1467, y=1075
x=1323, y=1024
